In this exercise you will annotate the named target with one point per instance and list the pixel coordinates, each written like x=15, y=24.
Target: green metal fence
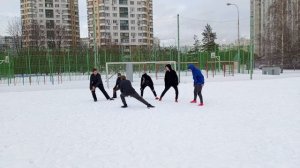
x=50, y=64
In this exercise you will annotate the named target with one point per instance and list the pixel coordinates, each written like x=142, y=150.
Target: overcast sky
x=194, y=15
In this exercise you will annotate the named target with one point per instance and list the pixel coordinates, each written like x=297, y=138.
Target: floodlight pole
x=94, y=35
x=251, y=43
x=239, y=59
x=178, y=52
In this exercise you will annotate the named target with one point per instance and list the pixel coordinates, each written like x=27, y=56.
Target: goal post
x=123, y=64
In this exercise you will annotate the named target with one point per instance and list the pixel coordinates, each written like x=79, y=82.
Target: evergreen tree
x=196, y=44
x=208, y=40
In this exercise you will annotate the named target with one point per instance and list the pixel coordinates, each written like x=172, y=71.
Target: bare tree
x=14, y=29
x=38, y=34
x=61, y=36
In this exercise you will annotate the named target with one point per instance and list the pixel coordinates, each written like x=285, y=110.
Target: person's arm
x=142, y=80
x=150, y=80
x=176, y=78
x=91, y=82
x=117, y=82
x=121, y=86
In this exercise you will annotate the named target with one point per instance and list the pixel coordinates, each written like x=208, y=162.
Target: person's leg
x=199, y=92
x=164, y=92
x=139, y=98
x=94, y=95
x=123, y=100
x=176, y=93
x=195, y=93
x=152, y=88
x=101, y=87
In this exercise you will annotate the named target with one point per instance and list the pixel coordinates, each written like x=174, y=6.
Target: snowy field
x=243, y=124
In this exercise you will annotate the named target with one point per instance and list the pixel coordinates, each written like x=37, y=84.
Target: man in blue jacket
x=198, y=83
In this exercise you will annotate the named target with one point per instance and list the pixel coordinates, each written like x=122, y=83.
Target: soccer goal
x=136, y=68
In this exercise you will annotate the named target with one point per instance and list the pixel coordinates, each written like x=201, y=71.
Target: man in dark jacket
x=147, y=81
x=117, y=86
x=198, y=83
x=171, y=80
x=96, y=82
x=127, y=90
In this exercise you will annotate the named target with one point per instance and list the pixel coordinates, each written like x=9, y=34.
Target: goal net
x=155, y=69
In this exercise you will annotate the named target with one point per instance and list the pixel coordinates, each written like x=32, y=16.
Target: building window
x=49, y=3
x=131, y=2
x=49, y=13
x=50, y=24
x=124, y=37
x=124, y=25
x=123, y=2
x=123, y=12
x=132, y=21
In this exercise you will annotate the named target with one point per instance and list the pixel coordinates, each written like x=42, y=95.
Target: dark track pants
x=198, y=91
x=151, y=87
x=101, y=87
x=167, y=88
x=136, y=96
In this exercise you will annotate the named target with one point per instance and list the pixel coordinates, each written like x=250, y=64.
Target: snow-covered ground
x=244, y=124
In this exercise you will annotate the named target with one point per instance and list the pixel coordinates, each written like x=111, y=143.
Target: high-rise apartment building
x=120, y=22
x=50, y=23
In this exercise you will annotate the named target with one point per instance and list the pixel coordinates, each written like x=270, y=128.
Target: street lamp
x=239, y=65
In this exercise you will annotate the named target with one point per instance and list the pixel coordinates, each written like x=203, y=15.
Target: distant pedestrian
x=171, y=80
x=96, y=82
x=127, y=90
x=117, y=86
x=198, y=83
x=147, y=81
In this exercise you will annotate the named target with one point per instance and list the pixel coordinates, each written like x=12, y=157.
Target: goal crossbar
x=136, y=63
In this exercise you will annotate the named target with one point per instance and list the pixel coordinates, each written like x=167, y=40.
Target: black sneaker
x=150, y=106
x=125, y=106
x=95, y=100
x=110, y=99
x=114, y=97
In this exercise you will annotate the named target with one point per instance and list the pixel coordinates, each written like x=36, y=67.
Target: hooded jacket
x=126, y=88
x=197, y=75
x=95, y=80
x=146, y=80
x=171, y=78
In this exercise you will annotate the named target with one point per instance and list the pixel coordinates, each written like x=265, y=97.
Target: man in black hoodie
x=147, y=81
x=171, y=80
x=117, y=86
x=96, y=82
x=127, y=90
